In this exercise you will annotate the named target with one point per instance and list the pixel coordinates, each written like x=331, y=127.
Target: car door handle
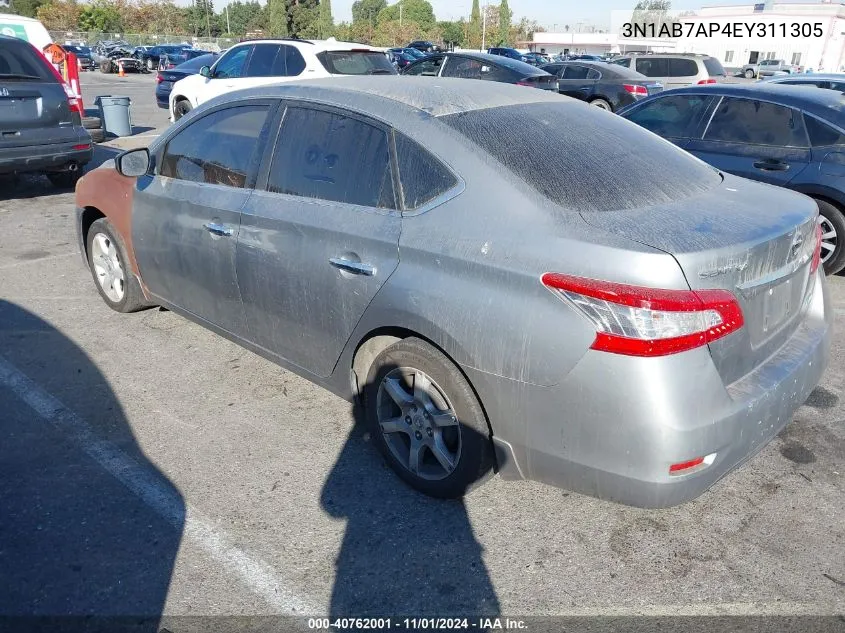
x=218, y=229
x=771, y=165
x=358, y=268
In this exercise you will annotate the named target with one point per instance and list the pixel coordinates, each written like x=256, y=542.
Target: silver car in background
x=509, y=280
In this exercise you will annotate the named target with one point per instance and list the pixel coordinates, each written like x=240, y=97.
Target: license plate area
x=19, y=109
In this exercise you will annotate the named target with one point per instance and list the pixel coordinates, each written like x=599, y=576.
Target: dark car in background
x=41, y=124
x=83, y=54
x=153, y=55
x=604, y=85
x=401, y=57
x=789, y=136
x=512, y=53
x=482, y=66
x=424, y=46
x=172, y=60
x=585, y=58
x=166, y=78
x=537, y=59
x=829, y=81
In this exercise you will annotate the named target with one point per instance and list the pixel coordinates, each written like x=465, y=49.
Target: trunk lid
x=753, y=240
x=33, y=113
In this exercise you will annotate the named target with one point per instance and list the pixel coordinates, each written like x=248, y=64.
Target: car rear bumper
x=53, y=157
x=613, y=427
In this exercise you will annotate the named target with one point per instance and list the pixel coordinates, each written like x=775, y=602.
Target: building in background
x=594, y=44
x=824, y=51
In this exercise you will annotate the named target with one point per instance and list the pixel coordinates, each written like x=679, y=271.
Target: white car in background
x=262, y=62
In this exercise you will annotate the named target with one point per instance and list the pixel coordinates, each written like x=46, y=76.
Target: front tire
x=108, y=263
x=425, y=418
x=150, y=65
x=181, y=108
x=832, y=223
x=749, y=74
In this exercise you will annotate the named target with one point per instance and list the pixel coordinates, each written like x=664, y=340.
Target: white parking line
x=256, y=574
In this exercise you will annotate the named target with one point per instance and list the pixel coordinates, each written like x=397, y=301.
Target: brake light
x=73, y=102
x=639, y=321
x=637, y=91
x=817, y=251
x=524, y=83
x=82, y=146
x=674, y=468
x=707, y=81
x=159, y=78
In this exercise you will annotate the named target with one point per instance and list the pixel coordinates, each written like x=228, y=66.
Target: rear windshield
x=356, y=63
x=585, y=160
x=21, y=62
x=714, y=67
x=615, y=70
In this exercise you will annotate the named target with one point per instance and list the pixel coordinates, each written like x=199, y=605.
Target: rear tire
x=98, y=135
x=749, y=74
x=181, y=108
x=92, y=122
x=832, y=222
x=603, y=104
x=113, y=278
x=65, y=179
x=105, y=66
x=446, y=448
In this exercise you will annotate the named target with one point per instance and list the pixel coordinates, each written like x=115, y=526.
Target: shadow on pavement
x=403, y=554
x=74, y=540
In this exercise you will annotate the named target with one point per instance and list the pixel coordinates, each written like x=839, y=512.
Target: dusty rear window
x=582, y=159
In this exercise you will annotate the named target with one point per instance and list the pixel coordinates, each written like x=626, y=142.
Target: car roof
x=391, y=97
x=811, y=99
x=498, y=60
x=314, y=46
x=806, y=77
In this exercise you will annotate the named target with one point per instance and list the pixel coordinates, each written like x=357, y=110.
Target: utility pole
x=207, y=21
x=228, y=26
x=400, y=15
x=484, y=28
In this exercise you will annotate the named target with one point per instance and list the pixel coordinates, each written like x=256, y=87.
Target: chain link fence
x=213, y=44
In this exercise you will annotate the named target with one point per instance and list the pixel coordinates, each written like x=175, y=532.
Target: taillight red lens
x=639, y=321
x=524, y=83
x=707, y=81
x=676, y=468
x=82, y=146
x=637, y=91
x=159, y=78
x=817, y=251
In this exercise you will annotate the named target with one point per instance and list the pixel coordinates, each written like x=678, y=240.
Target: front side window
x=231, y=65
x=428, y=67
x=266, y=61
x=669, y=116
x=423, y=177
x=329, y=156
x=651, y=67
x=682, y=68
x=756, y=123
x=219, y=149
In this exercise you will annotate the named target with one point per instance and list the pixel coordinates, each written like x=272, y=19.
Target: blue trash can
x=114, y=112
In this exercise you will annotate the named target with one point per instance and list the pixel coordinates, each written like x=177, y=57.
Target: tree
x=367, y=11
x=505, y=17
x=326, y=21
x=653, y=12
x=524, y=31
x=277, y=18
x=27, y=8
x=303, y=18
x=59, y=15
x=418, y=12
x=244, y=17
x=101, y=17
x=474, y=30
x=453, y=33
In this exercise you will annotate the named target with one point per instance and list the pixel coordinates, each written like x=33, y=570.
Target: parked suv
x=508, y=52
x=768, y=67
x=40, y=121
x=262, y=62
x=675, y=70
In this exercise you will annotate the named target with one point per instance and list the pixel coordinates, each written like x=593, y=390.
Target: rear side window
x=294, y=61
x=332, y=157
x=576, y=72
x=608, y=164
x=624, y=62
x=651, y=67
x=266, y=61
x=756, y=123
x=669, y=116
x=463, y=68
x=682, y=68
x=356, y=63
x=21, y=62
x=427, y=67
x=821, y=134
x=221, y=148
x=714, y=67
x=423, y=177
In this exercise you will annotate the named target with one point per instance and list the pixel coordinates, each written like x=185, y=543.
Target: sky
x=546, y=12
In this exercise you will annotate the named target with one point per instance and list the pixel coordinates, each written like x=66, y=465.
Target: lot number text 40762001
x=416, y=624
x=729, y=29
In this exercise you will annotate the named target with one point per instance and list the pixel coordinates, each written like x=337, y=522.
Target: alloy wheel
x=830, y=241
x=107, y=267
x=418, y=423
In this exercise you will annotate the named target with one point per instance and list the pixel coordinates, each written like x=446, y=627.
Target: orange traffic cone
x=120, y=69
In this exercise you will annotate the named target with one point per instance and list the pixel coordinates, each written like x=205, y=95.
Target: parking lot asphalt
x=149, y=466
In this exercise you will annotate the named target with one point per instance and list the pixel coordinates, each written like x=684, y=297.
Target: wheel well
x=830, y=201
x=89, y=216
x=379, y=340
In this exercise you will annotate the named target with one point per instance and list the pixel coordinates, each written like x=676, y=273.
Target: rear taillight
x=159, y=78
x=524, y=83
x=73, y=102
x=638, y=321
x=707, y=81
x=637, y=91
x=817, y=251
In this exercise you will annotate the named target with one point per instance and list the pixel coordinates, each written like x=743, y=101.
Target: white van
x=27, y=29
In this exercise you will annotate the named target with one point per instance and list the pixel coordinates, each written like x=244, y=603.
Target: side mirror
x=134, y=163
x=205, y=71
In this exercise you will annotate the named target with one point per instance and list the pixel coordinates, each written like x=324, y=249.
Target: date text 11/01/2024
x=715, y=29
x=416, y=624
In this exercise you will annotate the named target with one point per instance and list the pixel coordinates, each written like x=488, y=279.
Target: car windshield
x=356, y=63
x=596, y=163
